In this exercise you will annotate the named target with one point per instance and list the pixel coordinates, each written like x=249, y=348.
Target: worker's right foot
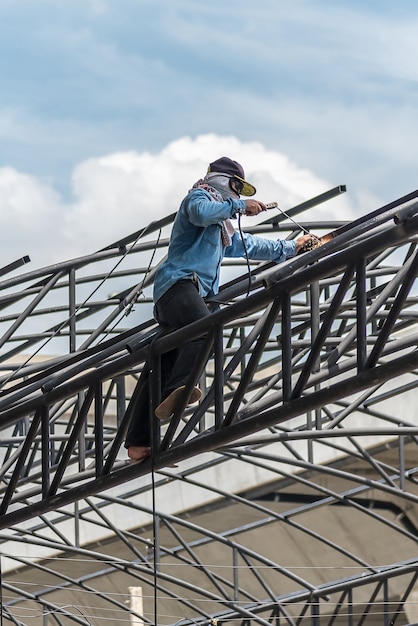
x=139, y=453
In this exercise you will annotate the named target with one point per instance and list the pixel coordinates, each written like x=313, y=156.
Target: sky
x=111, y=109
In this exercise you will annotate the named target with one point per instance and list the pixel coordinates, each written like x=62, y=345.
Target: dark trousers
x=179, y=306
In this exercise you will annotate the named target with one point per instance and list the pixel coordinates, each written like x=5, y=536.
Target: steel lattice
x=295, y=497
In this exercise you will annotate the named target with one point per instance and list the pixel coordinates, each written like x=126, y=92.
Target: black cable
x=154, y=538
x=153, y=433
x=241, y=234
x=1, y=593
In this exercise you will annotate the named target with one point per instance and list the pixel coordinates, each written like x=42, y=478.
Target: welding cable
x=241, y=234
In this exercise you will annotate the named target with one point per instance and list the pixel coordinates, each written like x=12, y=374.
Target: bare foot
x=139, y=453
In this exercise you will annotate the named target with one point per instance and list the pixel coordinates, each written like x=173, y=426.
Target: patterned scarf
x=227, y=226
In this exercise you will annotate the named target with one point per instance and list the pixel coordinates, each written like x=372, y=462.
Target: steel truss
x=301, y=455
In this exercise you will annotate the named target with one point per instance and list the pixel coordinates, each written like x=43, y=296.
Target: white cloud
x=28, y=212
x=327, y=83
x=119, y=193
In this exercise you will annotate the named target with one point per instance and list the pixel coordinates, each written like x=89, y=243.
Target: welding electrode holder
x=315, y=242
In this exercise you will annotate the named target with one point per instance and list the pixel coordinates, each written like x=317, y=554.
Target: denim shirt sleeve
x=203, y=211
x=261, y=249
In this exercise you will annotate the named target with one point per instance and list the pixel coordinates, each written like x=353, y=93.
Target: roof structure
x=288, y=495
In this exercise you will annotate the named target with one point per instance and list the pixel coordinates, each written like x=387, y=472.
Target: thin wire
x=379, y=606
x=191, y=565
x=129, y=307
x=59, y=609
x=178, y=598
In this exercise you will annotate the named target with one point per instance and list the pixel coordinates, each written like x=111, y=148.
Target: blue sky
x=307, y=94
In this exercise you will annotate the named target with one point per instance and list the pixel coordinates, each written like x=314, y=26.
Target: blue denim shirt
x=196, y=248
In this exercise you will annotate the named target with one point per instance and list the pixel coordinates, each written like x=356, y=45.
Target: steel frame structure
x=302, y=367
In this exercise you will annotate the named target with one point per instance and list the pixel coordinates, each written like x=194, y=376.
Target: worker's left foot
x=169, y=405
